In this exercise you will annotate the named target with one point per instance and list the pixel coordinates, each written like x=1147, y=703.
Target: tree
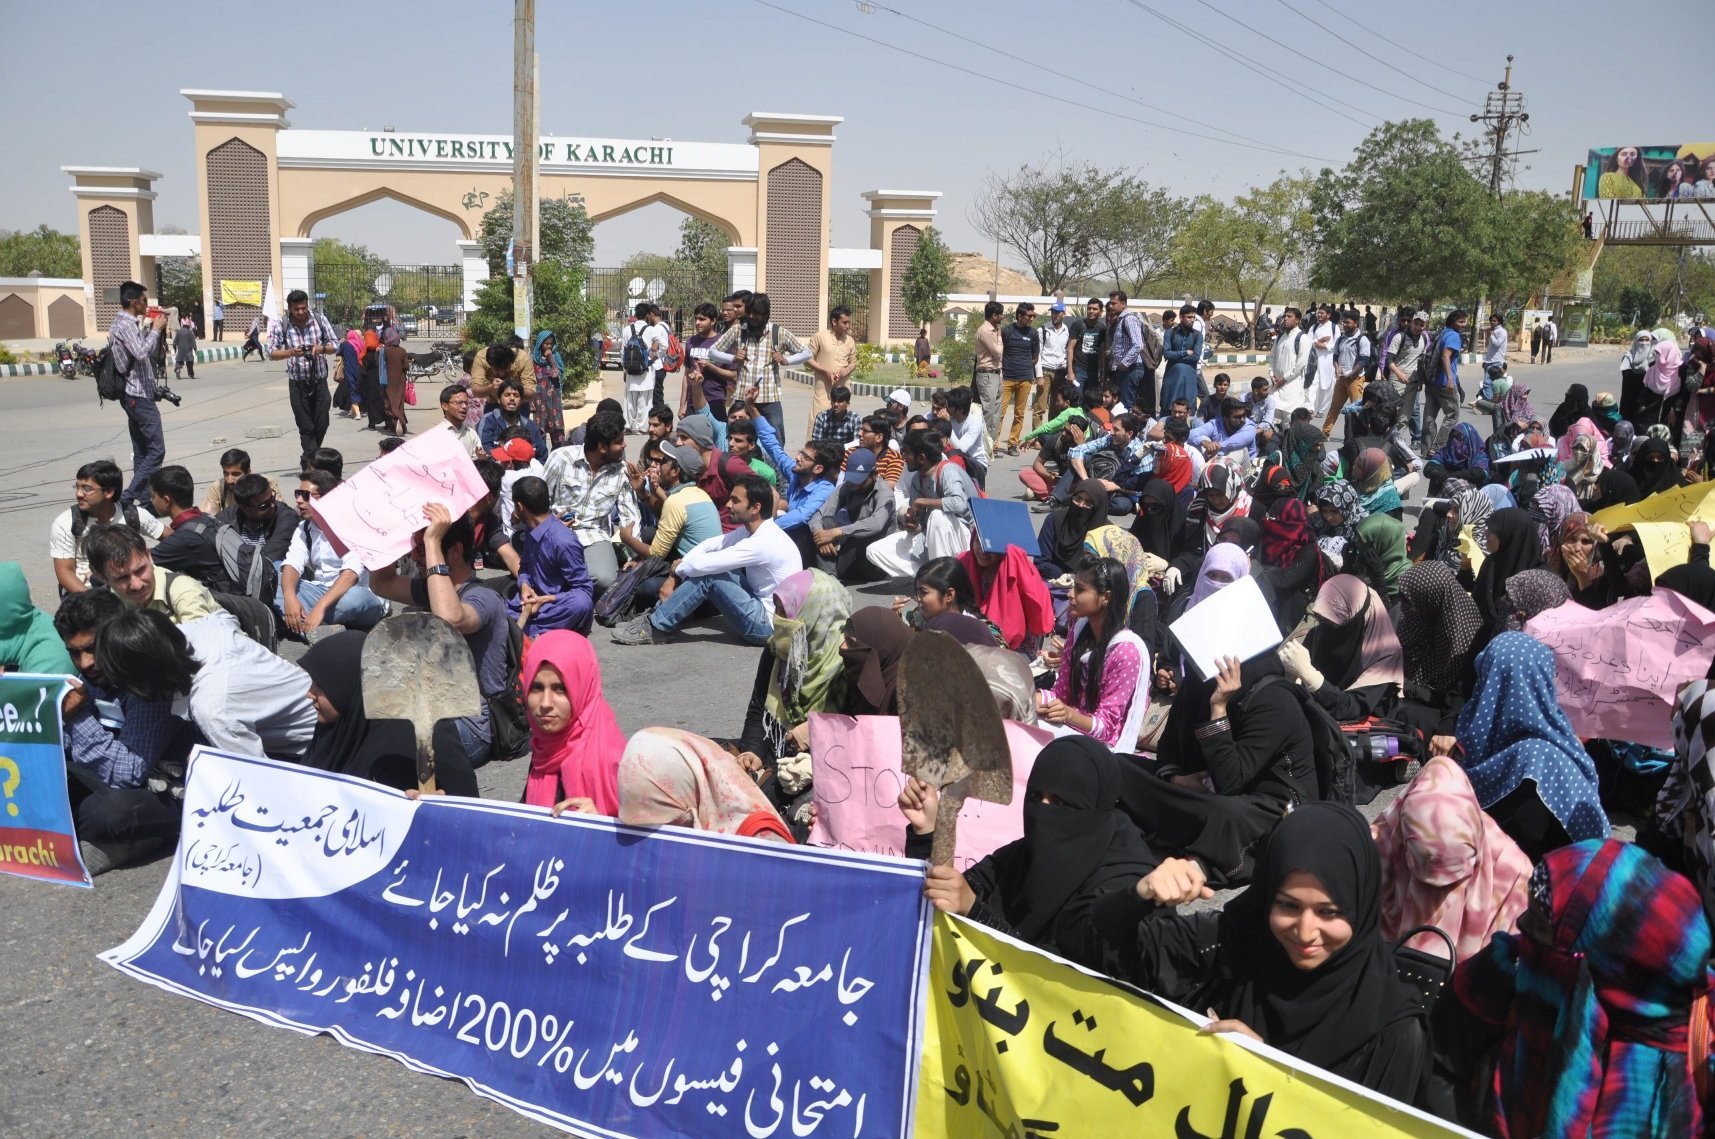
x=42, y=250
x=928, y=279
x=566, y=233
x=559, y=303
x=702, y=251
x=1639, y=281
x=1048, y=214
x=1404, y=221
x=1538, y=239
x=1246, y=248
x=1136, y=232
x=346, y=273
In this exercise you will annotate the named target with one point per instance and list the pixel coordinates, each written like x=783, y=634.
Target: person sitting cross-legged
x=554, y=588
x=861, y=511
x=711, y=572
x=318, y=586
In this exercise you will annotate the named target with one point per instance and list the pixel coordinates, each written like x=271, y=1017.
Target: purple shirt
x=696, y=354
x=551, y=560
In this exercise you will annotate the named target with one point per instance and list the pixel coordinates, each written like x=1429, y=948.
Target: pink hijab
x=1663, y=375
x=669, y=777
x=583, y=759
x=1445, y=863
x=355, y=338
x=1585, y=426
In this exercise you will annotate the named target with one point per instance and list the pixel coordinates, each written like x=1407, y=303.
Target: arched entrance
x=292, y=179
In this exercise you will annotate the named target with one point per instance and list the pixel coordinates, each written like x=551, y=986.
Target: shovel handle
x=426, y=768
x=947, y=824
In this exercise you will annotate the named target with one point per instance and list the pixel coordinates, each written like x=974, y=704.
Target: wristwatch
x=442, y=570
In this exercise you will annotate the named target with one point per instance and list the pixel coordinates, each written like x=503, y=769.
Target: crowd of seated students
x=1579, y=963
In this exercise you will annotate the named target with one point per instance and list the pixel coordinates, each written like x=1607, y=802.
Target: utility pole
x=524, y=227
x=1502, y=110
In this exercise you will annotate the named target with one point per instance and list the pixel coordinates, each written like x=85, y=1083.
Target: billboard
x=1652, y=173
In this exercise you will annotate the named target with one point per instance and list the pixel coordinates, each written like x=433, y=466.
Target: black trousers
x=219, y=329
x=310, y=404
x=110, y=814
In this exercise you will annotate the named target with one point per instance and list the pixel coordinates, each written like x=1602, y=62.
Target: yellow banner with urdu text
x=1022, y=1044
x=1660, y=522
x=241, y=292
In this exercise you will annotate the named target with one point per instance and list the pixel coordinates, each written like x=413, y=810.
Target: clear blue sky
x=434, y=65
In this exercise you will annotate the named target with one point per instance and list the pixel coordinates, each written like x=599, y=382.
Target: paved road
x=96, y=1054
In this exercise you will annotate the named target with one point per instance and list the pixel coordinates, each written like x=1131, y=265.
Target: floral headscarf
x=1551, y=506
x=1515, y=406
x=1342, y=496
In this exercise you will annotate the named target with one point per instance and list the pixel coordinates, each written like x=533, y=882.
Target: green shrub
x=6, y=356
x=869, y=358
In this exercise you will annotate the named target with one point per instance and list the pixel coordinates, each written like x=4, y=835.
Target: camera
x=163, y=392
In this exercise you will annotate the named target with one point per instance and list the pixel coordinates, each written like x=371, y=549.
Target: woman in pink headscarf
x=575, y=742
x=1447, y=864
x=669, y=777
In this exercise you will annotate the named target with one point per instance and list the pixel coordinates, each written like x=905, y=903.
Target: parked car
x=407, y=325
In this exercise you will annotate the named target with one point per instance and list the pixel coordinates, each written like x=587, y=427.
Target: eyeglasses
x=302, y=495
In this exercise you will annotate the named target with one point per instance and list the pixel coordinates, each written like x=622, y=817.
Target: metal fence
x=429, y=299
x=850, y=287
x=677, y=293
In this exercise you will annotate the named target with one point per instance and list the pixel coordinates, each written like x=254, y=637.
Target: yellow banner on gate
x=1660, y=522
x=241, y=292
x=1019, y=1043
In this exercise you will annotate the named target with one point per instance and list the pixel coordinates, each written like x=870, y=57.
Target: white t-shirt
x=315, y=559
x=61, y=544
x=767, y=557
x=654, y=337
x=504, y=503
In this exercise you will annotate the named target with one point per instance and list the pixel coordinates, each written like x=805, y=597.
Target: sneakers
x=638, y=631
x=99, y=858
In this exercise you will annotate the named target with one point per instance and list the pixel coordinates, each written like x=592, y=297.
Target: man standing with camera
x=133, y=352
x=299, y=340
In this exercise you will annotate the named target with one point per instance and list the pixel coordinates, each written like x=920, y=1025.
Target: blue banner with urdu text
x=600, y=978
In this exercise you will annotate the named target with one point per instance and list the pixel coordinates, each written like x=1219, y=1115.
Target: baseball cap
x=1057, y=306
x=515, y=451
x=687, y=458
x=699, y=430
x=860, y=464
x=899, y=396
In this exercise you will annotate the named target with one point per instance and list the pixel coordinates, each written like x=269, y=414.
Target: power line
x=1096, y=107
x=1385, y=63
x=1413, y=51
x=1246, y=139
x=1290, y=85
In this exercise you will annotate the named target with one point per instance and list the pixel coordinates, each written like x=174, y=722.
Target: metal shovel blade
x=952, y=737
x=417, y=667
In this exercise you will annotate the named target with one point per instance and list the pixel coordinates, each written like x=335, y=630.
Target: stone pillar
x=475, y=271
x=115, y=207
x=897, y=219
x=794, y=181
x=741, y=267
x=298, y=267
x=238, y=191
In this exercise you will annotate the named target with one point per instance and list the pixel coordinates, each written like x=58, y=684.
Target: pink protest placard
x=1618, y=670
x=858, y=780
x=376, y=511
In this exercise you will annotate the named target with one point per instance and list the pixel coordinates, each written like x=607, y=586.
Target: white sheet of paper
x=1234, y=622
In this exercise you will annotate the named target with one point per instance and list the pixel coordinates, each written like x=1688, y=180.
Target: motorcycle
x=67, y=359
x=88, y=359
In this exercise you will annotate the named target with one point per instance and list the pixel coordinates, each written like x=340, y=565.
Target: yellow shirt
x=832, y=354
x=1617, y=184
x=180, y=597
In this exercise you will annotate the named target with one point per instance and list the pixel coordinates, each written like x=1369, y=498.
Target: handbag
x=410, y=392
x=1426, y=973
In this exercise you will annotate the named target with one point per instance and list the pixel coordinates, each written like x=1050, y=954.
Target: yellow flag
x=241, y=292
x=1019, y=1043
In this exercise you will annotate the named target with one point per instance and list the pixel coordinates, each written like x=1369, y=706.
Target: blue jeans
x=357, y=607
x=744, y=611
x=148, y=445
x=1128, y=382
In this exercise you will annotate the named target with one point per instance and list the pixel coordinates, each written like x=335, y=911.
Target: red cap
x=514, y=451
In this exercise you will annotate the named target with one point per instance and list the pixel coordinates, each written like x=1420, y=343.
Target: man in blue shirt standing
x=554, y=588
x=1125, y=357
x=1443, y=395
